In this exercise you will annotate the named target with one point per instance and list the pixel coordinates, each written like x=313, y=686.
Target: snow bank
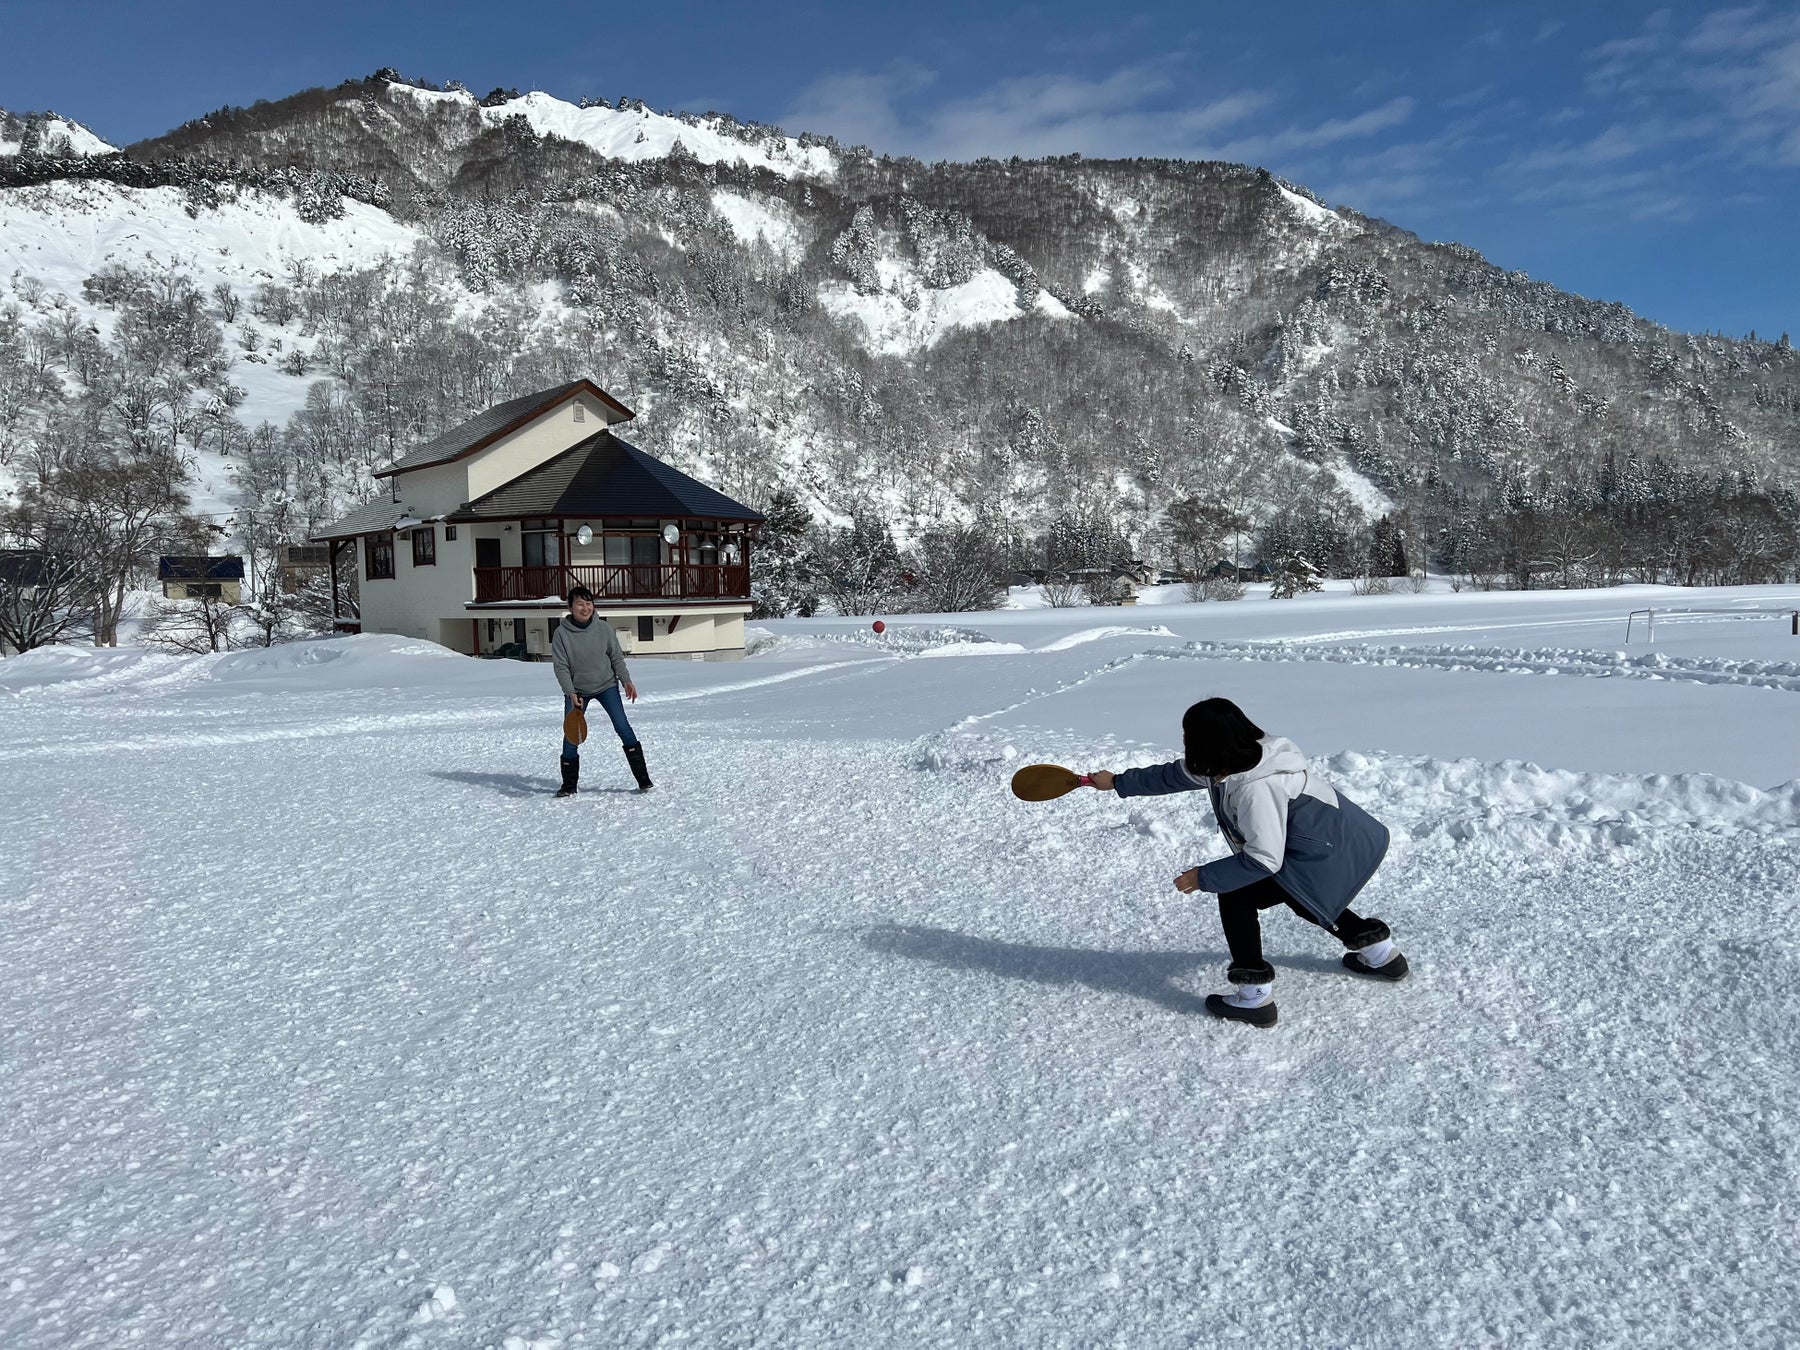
x=358, y=661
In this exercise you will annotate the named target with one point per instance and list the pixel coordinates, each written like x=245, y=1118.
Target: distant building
x=297, y=564
x=486, y=529
x=196, y=578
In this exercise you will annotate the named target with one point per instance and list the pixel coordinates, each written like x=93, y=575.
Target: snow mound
x=1509, y=809
x=897, y=640
x=105, y=671
x=1062, y=644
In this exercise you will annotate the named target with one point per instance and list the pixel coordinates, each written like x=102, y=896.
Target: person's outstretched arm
x=1155, y=781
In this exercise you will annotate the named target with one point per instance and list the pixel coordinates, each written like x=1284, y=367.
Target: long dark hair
x=1218, y=740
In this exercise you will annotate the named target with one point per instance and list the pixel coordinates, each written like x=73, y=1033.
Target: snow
x=59, y=234
x=889, y=328
x=63, y=137
x=1310, y=211
x=325, y=1024
x=631, y=135
x=760, y=218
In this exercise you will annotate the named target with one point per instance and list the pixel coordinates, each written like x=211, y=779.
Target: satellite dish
x=671, y=534
x=584, y=536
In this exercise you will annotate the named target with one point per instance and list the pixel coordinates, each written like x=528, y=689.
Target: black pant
x=1238, y=912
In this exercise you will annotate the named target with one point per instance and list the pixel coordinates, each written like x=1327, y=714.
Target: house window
x=204, y=590
x=519, y=630
x=646, y=628
x=541, y=543
x=424, y=547
x=378, y=553
x=449, y=534
x=580, y=413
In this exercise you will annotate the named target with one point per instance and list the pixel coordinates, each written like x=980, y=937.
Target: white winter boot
x=1253, y=1001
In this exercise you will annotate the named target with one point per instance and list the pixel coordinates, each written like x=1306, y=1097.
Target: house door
x=487, y=552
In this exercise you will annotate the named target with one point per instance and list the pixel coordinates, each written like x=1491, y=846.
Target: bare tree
x=195, y=626
x=127, y=512
x=43, y=594
x=960, y=569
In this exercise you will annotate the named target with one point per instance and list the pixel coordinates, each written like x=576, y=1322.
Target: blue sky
x=1633, y=152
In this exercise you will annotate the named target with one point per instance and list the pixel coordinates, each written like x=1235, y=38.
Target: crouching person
x=1295, y=841
x=590, y=667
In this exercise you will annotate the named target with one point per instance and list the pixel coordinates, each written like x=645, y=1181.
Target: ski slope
x=325, y=1025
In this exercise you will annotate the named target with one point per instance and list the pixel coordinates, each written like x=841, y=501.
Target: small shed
x=202, y=578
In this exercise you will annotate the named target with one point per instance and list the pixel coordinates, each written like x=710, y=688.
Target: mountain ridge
x=1035, y=341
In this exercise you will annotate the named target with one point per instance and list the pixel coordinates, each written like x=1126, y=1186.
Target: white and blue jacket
x=1282, y=821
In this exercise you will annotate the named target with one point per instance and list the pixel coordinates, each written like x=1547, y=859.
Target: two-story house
x=485, y=529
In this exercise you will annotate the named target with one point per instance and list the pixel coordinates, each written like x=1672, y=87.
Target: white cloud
x=1136, y=110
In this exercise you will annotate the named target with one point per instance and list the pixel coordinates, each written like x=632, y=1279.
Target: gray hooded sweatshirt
x=587, y=657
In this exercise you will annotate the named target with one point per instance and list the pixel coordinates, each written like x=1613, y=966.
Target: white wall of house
x=539, y=440
x=415, y=598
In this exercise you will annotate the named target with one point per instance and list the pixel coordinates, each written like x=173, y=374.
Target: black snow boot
x=634, y=755
x=1222, y=1005
x=571, y=772
x=1392, y=970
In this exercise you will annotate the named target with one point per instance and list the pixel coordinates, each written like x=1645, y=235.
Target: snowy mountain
x=48, y=134
x=1057, y=344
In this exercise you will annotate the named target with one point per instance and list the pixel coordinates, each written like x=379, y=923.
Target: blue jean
x=612, y=698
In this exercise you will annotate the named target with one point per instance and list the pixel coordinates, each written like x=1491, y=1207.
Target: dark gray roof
x=228, y=568
x=369, y=518
x=493, y=424
x=604, y=476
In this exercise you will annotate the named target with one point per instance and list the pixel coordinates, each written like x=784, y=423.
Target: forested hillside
x=1062, y=362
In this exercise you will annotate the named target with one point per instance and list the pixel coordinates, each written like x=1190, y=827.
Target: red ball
x=879, y=626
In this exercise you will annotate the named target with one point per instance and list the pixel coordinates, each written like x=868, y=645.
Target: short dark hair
x=581, y=593
x=1218, y=740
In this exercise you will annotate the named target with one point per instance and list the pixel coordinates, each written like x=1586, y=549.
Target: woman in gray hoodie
x=1295, y=841
x=590, y=667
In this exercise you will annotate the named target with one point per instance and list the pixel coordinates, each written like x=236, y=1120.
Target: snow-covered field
x=323, y=1024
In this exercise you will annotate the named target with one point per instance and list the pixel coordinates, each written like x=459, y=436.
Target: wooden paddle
x=1041, y=782
x=575, y=726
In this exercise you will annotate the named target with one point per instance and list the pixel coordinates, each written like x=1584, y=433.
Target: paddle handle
x=1086, y=780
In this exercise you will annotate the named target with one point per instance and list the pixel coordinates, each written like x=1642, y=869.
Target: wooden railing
x=621, y=581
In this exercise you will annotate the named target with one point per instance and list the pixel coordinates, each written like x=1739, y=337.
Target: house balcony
x=614, y=583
